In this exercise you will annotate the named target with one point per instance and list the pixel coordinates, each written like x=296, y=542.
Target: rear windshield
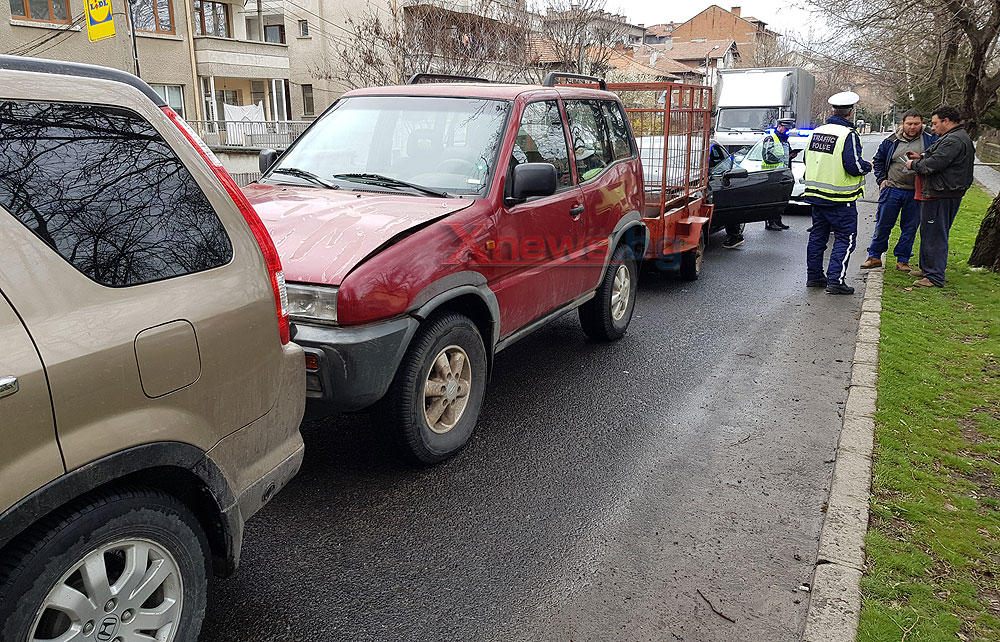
x=100, y=186
x=448, y=144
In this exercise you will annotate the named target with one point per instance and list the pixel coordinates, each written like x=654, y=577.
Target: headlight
x=317, y=304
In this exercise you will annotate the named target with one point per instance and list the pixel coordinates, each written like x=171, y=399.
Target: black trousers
x=936, y=218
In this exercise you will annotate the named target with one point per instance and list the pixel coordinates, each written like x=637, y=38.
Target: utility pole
x=131, y=30
x=260, y=19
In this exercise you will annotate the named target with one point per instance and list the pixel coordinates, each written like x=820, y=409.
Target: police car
x=798, y=139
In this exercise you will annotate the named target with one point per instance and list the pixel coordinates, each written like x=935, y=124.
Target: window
x=303, y=28
x=590, y=137
x=173, y=95
x=100, y=186
x=308, y=107
x=211, y=18
x=541, y=138
x=274, y=33
x=621, y=144
x=258, y=93
x=444, y=143
x=42, y=10
x=156, y=16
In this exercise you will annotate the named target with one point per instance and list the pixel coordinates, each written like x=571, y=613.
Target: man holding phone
x=945, y=173
x=896, y=192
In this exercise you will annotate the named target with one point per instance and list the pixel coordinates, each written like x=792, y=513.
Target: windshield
x=445, y=144
x=747, y=118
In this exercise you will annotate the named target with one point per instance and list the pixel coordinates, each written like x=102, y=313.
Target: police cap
x=787, y=122
x=844, y=99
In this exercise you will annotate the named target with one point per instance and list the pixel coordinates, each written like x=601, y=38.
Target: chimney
x=735, y=10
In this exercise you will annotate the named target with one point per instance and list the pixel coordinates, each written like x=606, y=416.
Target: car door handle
x=576, y=210
x=8, y=386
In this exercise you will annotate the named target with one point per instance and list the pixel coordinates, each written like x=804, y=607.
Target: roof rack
x=550, y=80
x=38, y=65
x=416, y=79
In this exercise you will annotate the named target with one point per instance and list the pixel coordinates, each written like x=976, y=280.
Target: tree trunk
x=986, y=252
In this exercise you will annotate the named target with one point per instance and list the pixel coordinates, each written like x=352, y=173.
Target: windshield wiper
x=388, y=181
x=309, y=176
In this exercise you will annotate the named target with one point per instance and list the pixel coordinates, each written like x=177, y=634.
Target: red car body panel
x=321, y=234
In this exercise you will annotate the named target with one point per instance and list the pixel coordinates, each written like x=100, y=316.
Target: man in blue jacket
x=895, y=196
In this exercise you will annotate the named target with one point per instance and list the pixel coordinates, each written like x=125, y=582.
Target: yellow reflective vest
x=826, y=177
x=779, y=153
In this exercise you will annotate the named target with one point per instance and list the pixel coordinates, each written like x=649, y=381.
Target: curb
x=835, y=603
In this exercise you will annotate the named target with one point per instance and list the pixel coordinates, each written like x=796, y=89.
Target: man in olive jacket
x=946, y=172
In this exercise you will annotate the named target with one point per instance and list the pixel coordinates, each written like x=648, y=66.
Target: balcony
x=240, y=58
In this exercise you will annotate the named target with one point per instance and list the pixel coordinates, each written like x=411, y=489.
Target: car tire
x=155, y=558
x=605, y=317
x=431, y=410
x=692, y=259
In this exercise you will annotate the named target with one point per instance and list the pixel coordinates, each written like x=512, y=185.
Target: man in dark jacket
x=895, y=196
x=946, y=172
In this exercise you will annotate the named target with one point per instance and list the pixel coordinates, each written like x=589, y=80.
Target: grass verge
x=933, y=543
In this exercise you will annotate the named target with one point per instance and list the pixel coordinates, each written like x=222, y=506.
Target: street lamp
x=707, y=56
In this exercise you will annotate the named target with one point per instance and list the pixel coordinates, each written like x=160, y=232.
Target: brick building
x=715, y=23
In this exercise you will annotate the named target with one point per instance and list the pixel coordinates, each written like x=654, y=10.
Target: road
x=611, y=492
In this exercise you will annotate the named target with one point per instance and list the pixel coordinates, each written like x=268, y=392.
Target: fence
x=241, y=133
x=671, y=124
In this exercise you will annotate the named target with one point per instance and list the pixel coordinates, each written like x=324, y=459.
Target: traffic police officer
x=835, y=176
x=777, y=153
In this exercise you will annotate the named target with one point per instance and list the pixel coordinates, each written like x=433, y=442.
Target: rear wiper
x=309, y=176
x=388, y=181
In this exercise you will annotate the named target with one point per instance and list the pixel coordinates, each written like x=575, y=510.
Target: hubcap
x=127, y=590
x=621, y=290
x=446, y=390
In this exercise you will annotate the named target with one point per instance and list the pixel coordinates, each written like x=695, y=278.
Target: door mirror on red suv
x=266, y=159
x=533, y=179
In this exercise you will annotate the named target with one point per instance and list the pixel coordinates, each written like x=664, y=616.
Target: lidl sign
x=100, y=22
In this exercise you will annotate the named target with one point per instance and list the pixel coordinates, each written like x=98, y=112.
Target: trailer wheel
x=692, y=259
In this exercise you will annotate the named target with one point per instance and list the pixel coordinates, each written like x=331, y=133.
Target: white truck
x=750, y=101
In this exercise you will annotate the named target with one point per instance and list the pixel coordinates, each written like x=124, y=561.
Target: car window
x=103, y=189
x=621, y=146
x=589, y=132
x=722, y=167
x=445, y=143
x=541, y=138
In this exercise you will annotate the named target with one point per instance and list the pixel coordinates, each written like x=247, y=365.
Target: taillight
x=267, y=248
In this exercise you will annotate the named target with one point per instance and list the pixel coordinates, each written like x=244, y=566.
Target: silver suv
x=149, y=395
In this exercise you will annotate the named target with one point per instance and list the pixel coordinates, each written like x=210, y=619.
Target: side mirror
x=533, y=179
x=736, y=172
x=266, y=159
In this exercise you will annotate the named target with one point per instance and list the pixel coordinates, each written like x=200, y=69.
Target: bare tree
x=583, y=35
x=387, y=44
x=767, y=52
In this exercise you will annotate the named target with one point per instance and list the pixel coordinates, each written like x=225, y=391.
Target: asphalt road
x=611, y=492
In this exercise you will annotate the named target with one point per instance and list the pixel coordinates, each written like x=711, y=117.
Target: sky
x=780, y=16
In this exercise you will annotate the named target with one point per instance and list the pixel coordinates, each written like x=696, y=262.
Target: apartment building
x=200, y=55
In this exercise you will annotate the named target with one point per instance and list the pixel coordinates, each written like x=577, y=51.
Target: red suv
x=423, y=228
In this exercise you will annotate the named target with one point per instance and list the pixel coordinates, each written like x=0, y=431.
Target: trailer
x=671, y=123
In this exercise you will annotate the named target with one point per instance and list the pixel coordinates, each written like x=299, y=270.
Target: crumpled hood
x=322, y=234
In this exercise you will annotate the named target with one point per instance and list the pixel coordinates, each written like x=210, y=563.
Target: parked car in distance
x=149, y=395
x=423, y=228
x=742, y=191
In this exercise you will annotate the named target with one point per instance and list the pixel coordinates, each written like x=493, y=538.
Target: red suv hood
x=321, y=234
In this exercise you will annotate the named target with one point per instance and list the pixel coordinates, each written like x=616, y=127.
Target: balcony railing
x=241, y=133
